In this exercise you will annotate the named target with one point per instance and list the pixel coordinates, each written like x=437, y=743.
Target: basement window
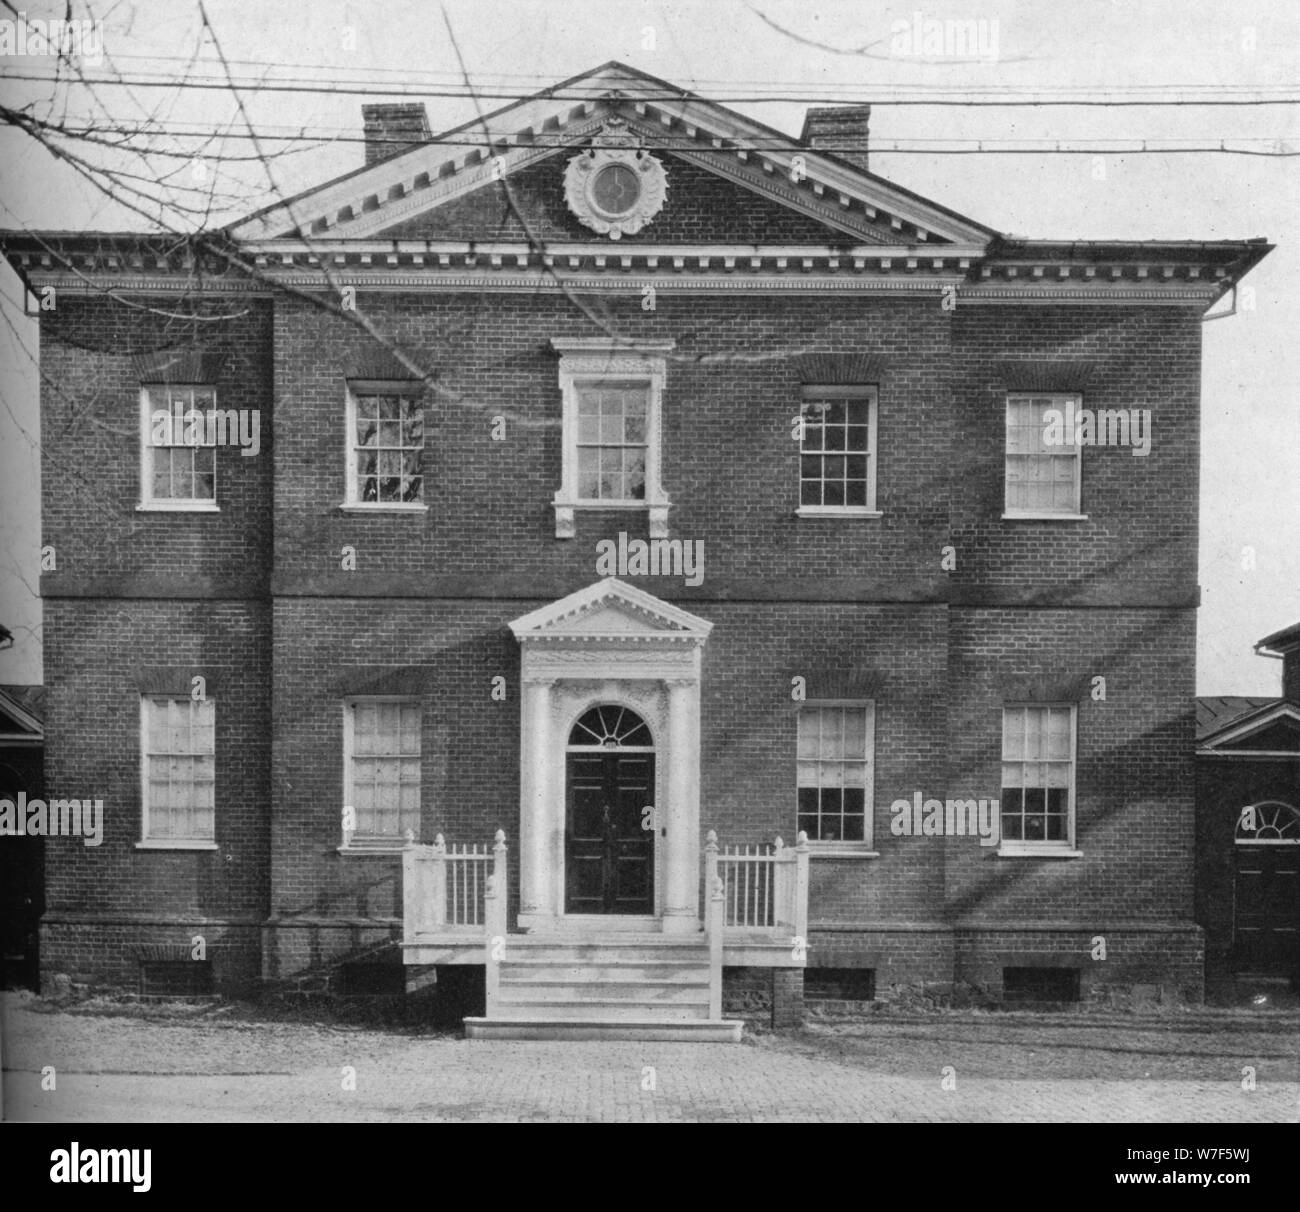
x=176, y=978
x=839, y=984
x=1037, y=986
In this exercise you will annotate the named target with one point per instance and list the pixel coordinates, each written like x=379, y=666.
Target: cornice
x=598, y=267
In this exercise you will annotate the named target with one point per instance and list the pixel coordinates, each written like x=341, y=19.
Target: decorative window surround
x=590, y=361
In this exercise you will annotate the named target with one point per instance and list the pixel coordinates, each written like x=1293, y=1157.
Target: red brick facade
x=255, y=599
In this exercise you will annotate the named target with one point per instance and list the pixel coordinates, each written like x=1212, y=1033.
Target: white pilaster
x=535, y=824
x=681, y=904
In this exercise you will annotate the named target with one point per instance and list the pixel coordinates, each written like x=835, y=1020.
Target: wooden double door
x=609, y=832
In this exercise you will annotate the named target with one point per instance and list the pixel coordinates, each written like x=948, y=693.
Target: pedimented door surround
x=610, y=644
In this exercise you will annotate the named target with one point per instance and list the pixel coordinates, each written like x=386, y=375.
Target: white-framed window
x=612, y=403
x=381, y=776
x=612, y=440
x=835, y=772
x=1038, y=765
x=178, y=448
x=837, y=451
x=1042, y=479
x=178, y=772
x=385, y=447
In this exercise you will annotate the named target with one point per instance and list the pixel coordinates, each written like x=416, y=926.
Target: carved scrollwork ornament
x=614, y=187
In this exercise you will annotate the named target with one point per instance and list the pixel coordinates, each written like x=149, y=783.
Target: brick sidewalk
x=432, y=1079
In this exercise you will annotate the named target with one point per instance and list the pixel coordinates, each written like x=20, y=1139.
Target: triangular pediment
x=17, y=720
x=613, y=610
x=702, y=208
x=1272, y=729
x=705, y=141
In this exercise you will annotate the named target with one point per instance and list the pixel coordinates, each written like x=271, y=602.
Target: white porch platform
x=575, y=980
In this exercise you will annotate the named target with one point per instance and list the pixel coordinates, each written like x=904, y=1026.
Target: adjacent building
x=1248, y=829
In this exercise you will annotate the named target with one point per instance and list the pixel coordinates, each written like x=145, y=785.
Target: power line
x=597, y=91
x=543, y=79
x=1273, y=146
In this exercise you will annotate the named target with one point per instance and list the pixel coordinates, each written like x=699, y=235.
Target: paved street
x=118, y=1068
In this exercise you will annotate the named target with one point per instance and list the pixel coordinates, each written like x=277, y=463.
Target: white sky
x=1250, y=489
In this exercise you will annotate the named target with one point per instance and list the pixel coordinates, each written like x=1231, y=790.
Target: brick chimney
x=841, y=132
x=391, y=129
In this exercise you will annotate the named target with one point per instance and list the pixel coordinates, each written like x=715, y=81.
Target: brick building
x=1248, y=829
x=645, y=484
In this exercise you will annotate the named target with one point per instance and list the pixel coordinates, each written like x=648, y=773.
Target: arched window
x=610, y=727
x=1270, y=821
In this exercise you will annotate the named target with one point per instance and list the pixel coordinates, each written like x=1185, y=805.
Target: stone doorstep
x=703, y=1031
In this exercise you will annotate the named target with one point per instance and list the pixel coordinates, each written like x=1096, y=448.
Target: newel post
x=710, y=865
x=437, y=884
x=494, y=918
x=782, y=887
x=412, y=892
x=801, y=852
x=714, y=922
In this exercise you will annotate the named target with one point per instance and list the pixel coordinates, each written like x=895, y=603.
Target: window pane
x=829, y=474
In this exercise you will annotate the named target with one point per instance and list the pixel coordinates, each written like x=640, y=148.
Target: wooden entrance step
x=626, y=986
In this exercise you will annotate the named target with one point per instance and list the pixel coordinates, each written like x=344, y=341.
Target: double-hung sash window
x=834, y=770
x=178, y=447
x=837, y=450
x=385, y=450
x=179, y=771
x=1038, y=763
x=612, y=441
x=612, y=399
x=1042, y=476
x=381, y=744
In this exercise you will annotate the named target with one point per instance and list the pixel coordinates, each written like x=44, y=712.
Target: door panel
x=1267, y=911
x=609, y=857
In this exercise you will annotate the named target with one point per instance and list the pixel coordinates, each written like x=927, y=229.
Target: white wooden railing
x=764, y=888
x=453, y=890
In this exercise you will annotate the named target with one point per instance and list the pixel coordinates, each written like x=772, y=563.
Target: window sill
x=176, y=845
x=1038, y=852
x=566, y=527
x=840, y=852
x=178, y=507
x=837, y=511
x=396, y=846
x=1044, y=517
x=383, y=507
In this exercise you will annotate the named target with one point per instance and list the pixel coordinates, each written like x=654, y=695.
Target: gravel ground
x=123, y=1061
